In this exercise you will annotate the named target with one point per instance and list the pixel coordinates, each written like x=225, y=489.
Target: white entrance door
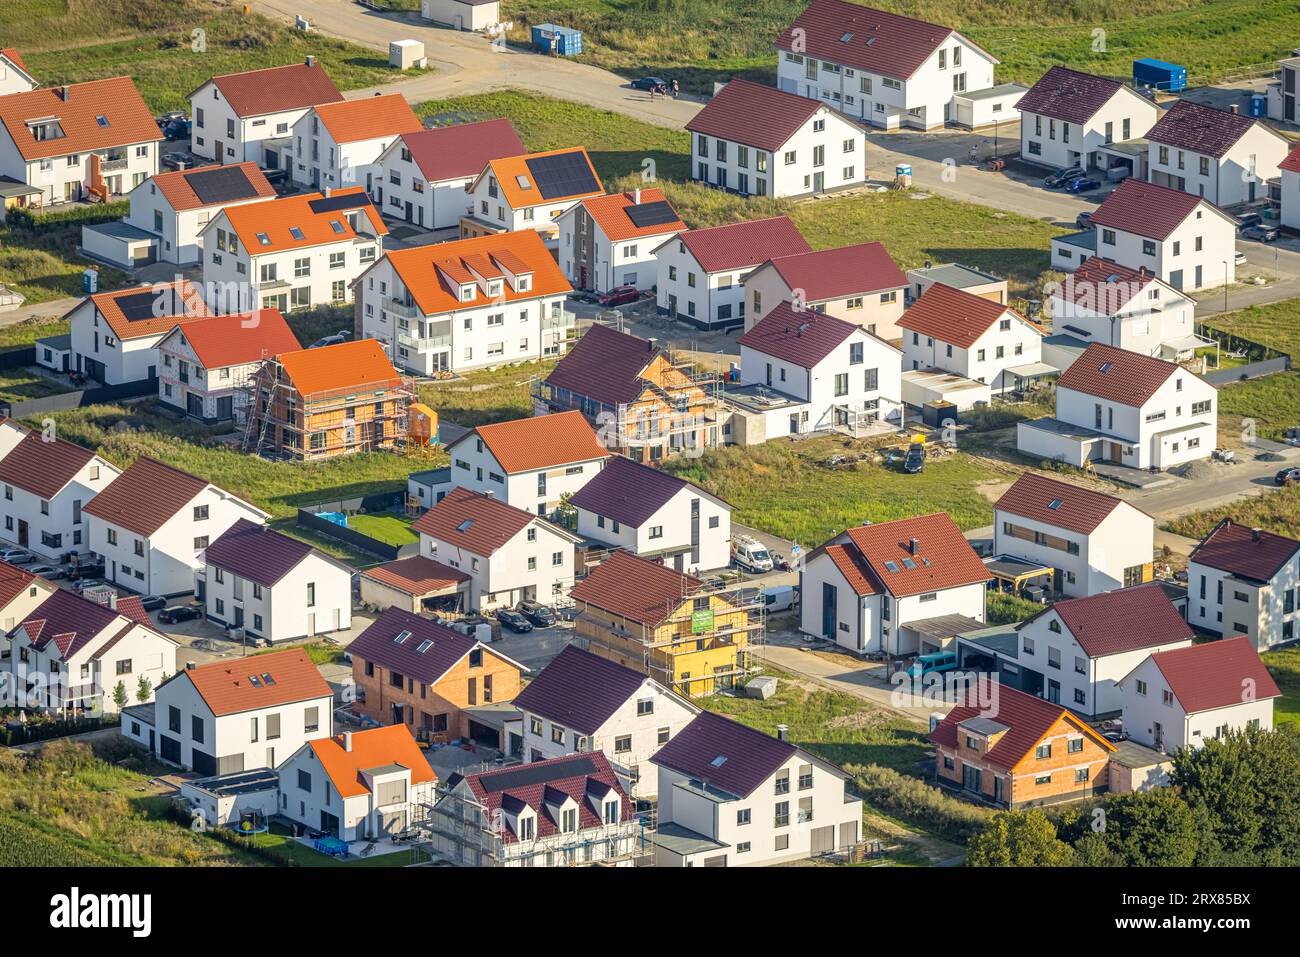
x=311, y=624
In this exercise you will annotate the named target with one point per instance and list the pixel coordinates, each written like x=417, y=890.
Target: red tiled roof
x=1216, y=674
x=13, y=582
x=256, y=552
x=1254, y=554
x=145, y=496
x=240, y=338
x=44, y=467
x=360, y=364
x=1027, y=719
x=611, y=215
x=68, y=621
x=1292, y=162
x=1069, y=95
x=636, y=588
x=751, y=756
x=943, y=559
x=227, y=686
x=1079, y=510
x=628, y=492
x=540, y=442
x=1119, y=375
x=1104, y=286
x=461, y=151
x=839, y=32
x=277, y=89
x=517, y=181
x=841, y=272
x=754, y=114
x=370, y=748
x=179, y=193
x=737, y=245
x=169, y=305
x=132, y=606
x=954, y=315
x=801, y=337
x=276, y=218
x=580, y=690
x=1126, y=619
x=126, y=118
x=604, y=365
x=1146, y=209
x=368, y=118
x=854, y=568
x=465, y=519
x=1199, y=128
x=416, y=575
x=13, y=56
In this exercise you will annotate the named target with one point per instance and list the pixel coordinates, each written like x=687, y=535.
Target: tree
x=143, y=689
x=1019, y=839
x=1144, y=829
x=119, y=695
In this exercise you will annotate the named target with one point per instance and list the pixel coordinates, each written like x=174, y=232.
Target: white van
x=780, y=598
x=750, y=554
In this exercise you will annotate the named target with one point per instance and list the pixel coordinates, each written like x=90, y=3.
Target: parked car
x=178, y=613
x=48, y=572
x=780, y=598
x=751, y=554
x=177, y=130
x=620, y=295
x=1262, y=232
x=1083, y=220
x=936, y=663
x=1250, y=219
x=333, y=340
x=540, y=615
x=514, y=621
x=85, y=570
x=176, y=160
x=655, y=83
x=915, y=462
x=153, y=602
x=1062, y=176
x=17, y=556
x=1082, y=184
x=1291, y=474
x=1240, y=258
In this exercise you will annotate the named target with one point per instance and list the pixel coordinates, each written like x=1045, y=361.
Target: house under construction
x=678, y=629
x=329, y=401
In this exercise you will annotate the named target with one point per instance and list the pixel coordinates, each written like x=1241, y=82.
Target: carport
x=413, y=584
x=1013, y=574
x=493, y=725
x=935, y=634
x=1131, y=153
x=1029, y=373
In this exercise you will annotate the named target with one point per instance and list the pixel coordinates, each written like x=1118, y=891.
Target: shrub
x=918, y=803
x=37, y=221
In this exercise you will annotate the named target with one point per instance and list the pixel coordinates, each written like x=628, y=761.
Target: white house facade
x=1246, y=581
x=46, y=485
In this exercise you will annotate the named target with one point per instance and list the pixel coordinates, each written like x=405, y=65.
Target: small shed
x=55, y=352
x=996, y=104
x=407, y=55
x=462, y=14
x=557, y=40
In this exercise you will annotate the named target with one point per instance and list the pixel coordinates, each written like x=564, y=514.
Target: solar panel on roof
x=220, y=185
x=328, y=204
x=151, y=305
x=566, y=174
x=538, y=773
x=651, y=214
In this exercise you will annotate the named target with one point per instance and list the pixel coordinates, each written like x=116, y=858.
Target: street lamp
x=1225, y=285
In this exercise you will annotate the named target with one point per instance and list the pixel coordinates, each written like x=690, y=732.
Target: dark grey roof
x=579, y=690
x=256, y=552
x=378, y=644
x=627, y=492
x=724, y=754
x=984, y=725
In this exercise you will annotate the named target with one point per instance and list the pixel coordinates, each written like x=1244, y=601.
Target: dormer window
x=527, y=826
x=494, y=287
x=611, y=812
x=523, y=283
x=569, y=820
x=467, y=292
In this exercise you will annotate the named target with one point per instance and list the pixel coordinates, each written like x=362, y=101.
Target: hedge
x=912, y=800
x=86, y=215
x=46, y=730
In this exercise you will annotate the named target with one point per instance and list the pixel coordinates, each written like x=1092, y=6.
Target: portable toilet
x=1259, y=105
x=90, y=281
x=903, y=174
x=557, y=40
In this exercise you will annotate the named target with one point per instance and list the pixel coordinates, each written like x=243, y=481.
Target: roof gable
x=1251, y=553
x=635, y=588
x=360, y=365
x=474, y=522
x=605, y=365
x=462, y=150
x=1126, y=619
x=1119, y=375
x=754, y=114
x=346, y=757
x=724, y=754
x=301, y=221
x=628, y=492
x=426, y=650
x=151, y=309
x=955, y=316
x=580, y=690
x=1148, y=210
x=96, y=115
x=43, y=467
x=1193, y=126
x=1069, y=95
x=277, y=89
x=912, y=556
x=739, y=245
x=540, y=442
x=256, y=552
x=617, y=214
x=145, y=496
x=1216, y=674
x=802, y=337
x=840, y=272
x=368, y=118
x=1057, y=503
x=258, y=681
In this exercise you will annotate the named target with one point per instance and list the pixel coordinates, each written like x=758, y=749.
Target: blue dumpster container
x=561, y=41
x=1166, y=77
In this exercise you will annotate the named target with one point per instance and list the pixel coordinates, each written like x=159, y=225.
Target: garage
x=462, y=14
x=204, y=764
x=823, y=840
x=414, y=584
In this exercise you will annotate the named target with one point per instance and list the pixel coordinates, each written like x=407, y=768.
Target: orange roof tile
x=433, y=274
x=239, y=338
x=417, y=575
x=955, y=316
x=95, y=115
x=610, y=213
x=176, y=189
x=943, y=557
x=13, y=56
x=374, y=748
x=360, y=365
x=508, y=170
x=160, y=308
x=275, y=89
x=368, y=118
x=541, y=442
x=276, y=218
x=227, y=686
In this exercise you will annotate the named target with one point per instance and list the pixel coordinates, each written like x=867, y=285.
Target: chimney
x=1254, y=534
x=650, y=344
x=189, y=666
x=347, y=740
x=310, y=61
x=782, y=732
x=64, y=92
x=328, y=190
x=914, y=545
x=180, y=167
x=636, y=196
x=1236, y=107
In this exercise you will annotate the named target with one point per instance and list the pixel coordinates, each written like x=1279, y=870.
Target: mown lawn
x=1277, y=511
x=279, y=839
x=391, y=529
x=1276, y=325
x=1284, y=666
x=17, y=385
x=787, y=489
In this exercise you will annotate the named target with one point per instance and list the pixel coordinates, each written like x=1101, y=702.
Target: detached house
x=860, y=284
x=207, y=364
x=609, y=241
x=732, y=796
x=1244, y=581
x=240, y=714
x=1070, y=118
x=14, y=75
x=702, y=271
x=1132, y=309
x=972, y=337
x=642, y=403
x=20, y=593
x=1183, y=698
x=806, y=371
x=756, y=140
x=78, y=141
x=1289, y=185
x=581, y=702
x=1218, y=155
x=47, y=484
x=1185, y=241
x=1117, y=406
x=1092, y=542
x=510, y=555
x=153, y=523
x=426, y=174
x=888, y=70
x=358, y=785
x=1020, y=752
x=290, y=253
x=338, y=144
x=898, y=588
x=654, y=515
x=247, y=117
x=529, y=191
x=272, y=587
x=74, y=656
x=410, y=671
x=467, y=304
x=115, y=335
x=533, y=464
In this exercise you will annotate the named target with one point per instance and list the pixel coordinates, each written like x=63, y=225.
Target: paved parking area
x=536, y=648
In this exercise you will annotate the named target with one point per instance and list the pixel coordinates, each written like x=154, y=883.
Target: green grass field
x=1277, y=511
x=1272, y=403
x=45, y=266
x=490, y=395
x=391, y=529
x=17, y=385
x=1284, y=666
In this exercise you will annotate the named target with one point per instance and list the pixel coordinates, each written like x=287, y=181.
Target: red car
x=620, y=295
